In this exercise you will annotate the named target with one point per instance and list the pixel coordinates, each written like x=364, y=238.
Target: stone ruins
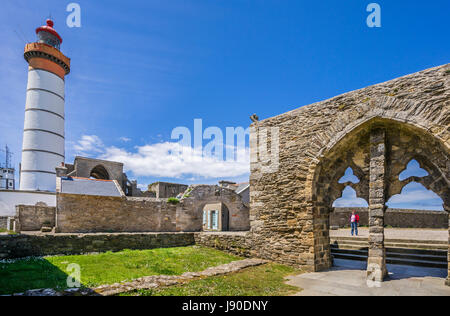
x=376, y=131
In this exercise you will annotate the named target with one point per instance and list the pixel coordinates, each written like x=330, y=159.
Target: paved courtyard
x=398, y=233
x=348, y=278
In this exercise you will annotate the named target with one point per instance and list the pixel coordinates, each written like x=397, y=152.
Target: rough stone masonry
x=376, y=131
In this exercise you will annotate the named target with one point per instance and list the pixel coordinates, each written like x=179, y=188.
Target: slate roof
x=84, y=186
x=241, y=187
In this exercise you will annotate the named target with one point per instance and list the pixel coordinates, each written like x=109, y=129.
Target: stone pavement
x=348, y=278
x=398, y=233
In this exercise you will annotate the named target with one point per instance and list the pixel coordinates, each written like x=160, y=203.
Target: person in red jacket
x=354, y=220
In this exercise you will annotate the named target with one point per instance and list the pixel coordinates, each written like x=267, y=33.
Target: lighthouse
x=43, y=134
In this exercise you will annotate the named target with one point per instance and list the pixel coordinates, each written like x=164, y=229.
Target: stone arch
x=287, y=213
x=436, y=181
x=413, y=144
x=198, y=196
x=99, y=172
x=441, y=136
x=353, y=149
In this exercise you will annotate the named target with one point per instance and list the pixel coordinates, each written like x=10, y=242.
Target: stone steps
x=357, y=243
x=415, y=254
x=428, y=247
x=439, y=256
x=418, y=263
x=391, y=240
x=417, y=246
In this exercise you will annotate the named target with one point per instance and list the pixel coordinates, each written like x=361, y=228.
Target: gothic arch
x=99, y=172
x=404, y=142
x=290, y=204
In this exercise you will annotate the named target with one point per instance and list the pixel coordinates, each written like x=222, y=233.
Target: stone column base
x=376, y=270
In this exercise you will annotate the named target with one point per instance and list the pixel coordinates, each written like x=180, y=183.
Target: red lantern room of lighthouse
x=45, y=53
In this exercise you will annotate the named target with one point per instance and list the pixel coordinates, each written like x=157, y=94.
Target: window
x=49, y=39
x=214, y=220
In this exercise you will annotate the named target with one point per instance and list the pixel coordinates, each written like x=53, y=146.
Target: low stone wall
x=33, y=217
x=19, y=246
x=80, y=213
x=91, y=214
x=237, y=243
x=394, y=217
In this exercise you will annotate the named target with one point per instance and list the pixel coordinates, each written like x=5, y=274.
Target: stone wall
x=448, y=255
x=3, y=222
x=166, y=190
x=19, y=246
x=237, y=243
x=34, y=217
x=24, y=245
x=83, y=167
x=78, y=213
x=198, y=196
x=298, y=157
x=401, y=218
x=89, y=214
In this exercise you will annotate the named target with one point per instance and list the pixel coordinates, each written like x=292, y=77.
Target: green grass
x=107, y=268
x=265, y=280
x=10, y=232
x=173, y=200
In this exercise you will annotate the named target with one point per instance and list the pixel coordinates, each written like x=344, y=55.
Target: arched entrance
x=377, y=151
x=99, y=172
x=215, y=217
x=214, y=208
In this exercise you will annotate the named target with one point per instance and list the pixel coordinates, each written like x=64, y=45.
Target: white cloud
x=415, y=195
x=349, y=199
x=143, y=187
x=167, y=159
x=349, y=202
x=174, y=161
x=89, y=144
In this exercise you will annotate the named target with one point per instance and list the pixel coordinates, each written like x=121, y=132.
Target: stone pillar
x=447, y=282
x=61, y=171
x=376, y=263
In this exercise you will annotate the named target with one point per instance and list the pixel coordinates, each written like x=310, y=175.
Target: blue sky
x=141, y=69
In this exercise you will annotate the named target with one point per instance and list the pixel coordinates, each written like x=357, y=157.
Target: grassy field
x=265, y=280
x=9, y=232
x=106, y=268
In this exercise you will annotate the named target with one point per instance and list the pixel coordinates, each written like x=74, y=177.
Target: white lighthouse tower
x=43, y=134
